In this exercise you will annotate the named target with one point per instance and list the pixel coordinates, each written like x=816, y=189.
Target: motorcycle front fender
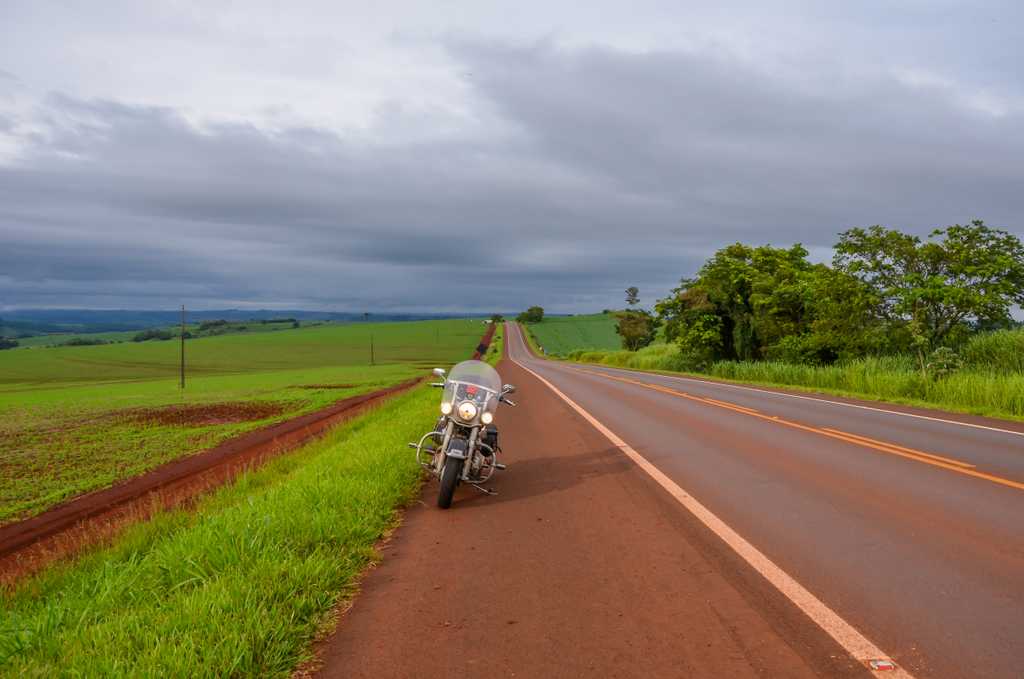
x=457, y=448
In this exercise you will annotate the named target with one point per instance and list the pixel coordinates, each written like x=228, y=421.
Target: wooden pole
x=182, y=346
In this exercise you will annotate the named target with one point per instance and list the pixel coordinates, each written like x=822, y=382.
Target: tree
x=497, y=318
x=934, y=289
x=632, y=295
x=534, y=314
x=638, y=328
x=153, y=334
x=743, y=302
x=8, y=343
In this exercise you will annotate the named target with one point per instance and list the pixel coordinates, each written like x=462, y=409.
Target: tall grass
x=238, y=587
x=981, y=389
x=1002, y=350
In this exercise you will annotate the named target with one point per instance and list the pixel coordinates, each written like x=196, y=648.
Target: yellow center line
x=730, y=405
x=863, y=441
x=933, y=456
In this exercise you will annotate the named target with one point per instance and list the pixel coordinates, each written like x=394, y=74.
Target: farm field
x=237, y=586
x=74, y=419
x=561, y=334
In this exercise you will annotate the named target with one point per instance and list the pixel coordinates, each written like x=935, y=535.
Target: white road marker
x=855, y=643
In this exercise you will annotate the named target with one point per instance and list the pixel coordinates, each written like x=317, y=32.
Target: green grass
x=238, y=587
x=981, y=391
x=561, y=334
x=417, y=343
x=69, y=416
x=496, y=349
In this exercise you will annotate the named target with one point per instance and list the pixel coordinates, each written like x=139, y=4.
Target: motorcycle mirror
x=439, y=372
x=508, y=389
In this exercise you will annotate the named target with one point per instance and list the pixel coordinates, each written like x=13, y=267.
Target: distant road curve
x=907, y=524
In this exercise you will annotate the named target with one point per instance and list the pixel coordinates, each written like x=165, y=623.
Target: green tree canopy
x=931, y=289
x=638, y=328
x=534, y=314
x=886, y=292
x=743, y=301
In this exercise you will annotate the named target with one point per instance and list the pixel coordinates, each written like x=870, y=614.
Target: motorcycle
x=463, y=446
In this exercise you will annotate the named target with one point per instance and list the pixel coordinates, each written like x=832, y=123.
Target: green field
x=559, y=335
x=73, y=419
x=238, y=587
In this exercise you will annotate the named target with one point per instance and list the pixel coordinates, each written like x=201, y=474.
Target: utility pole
x=371, y=348
x=182, y=346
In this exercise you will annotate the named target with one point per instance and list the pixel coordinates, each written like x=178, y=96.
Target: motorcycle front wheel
x=449, y=480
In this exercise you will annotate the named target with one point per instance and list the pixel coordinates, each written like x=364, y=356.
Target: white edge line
x=855, y=643
x=805, y=398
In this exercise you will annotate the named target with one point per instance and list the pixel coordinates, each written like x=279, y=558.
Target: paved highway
x=907, y=524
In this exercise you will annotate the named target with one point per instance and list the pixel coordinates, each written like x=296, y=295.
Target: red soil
x=201, y=415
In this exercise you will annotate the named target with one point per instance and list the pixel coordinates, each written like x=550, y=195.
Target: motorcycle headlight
x=446, y=408
x=487, y=418
x=467, y=410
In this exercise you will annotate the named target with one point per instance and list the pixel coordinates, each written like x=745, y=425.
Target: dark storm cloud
x=602, y=168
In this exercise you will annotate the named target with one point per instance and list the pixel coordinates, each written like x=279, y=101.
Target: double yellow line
x=948, y=463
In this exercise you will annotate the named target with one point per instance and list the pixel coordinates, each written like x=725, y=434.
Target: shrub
x=534, y=314
x=153, y=334
x=1002, y=351
x=8, y=343
x=83, y=342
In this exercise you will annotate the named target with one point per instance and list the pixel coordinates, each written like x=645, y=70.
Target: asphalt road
x=581, y=566
x=907, y=523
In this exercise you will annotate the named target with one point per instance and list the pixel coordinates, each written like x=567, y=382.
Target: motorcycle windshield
x=476, y=372
x=473, y=381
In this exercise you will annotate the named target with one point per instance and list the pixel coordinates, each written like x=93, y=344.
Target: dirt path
x=580, y=567
x=28, y=545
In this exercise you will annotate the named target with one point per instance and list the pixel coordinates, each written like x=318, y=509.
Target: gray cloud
x=586, y=169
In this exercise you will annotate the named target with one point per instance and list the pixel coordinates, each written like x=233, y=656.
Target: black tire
x=449, y=480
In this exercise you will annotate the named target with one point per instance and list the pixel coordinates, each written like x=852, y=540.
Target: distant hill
x=24, y=322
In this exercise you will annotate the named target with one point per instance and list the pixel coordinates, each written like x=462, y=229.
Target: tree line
x=885, y=292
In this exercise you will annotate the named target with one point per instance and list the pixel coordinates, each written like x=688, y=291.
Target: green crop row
x=562, y=334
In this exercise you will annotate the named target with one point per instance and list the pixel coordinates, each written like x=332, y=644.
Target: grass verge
x=239, y=586
x=496, y=349
x=988, y=392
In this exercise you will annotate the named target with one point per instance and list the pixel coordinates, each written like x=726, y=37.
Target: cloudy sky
x=469, y=155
